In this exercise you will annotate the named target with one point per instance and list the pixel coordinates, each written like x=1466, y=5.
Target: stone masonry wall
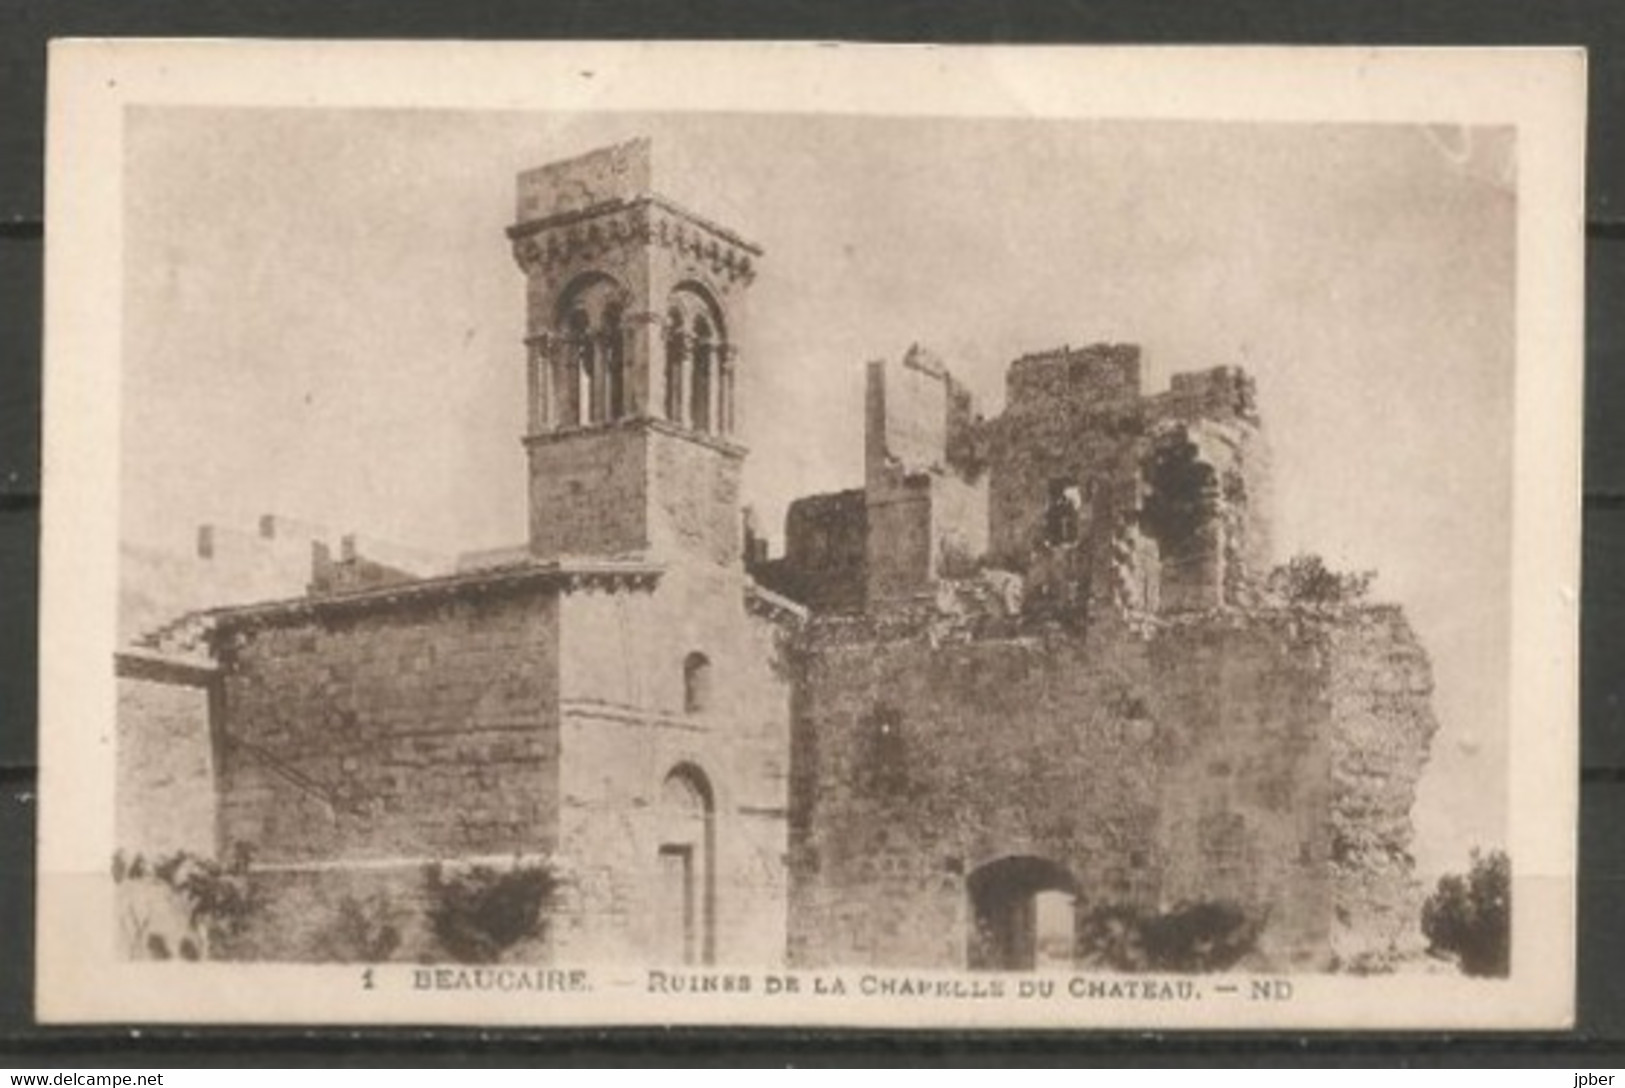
x=1382, y=728
x=694, y=496
x=589, y=493
x=1222, y=758
x=1245, y=801
x=1085, y=470
x=927, y=506
x=632, y=488
x=825, y=537
x=627, y=727
x=1073, y=420
x=422, y=730
x=916, y=760
x=165, y=794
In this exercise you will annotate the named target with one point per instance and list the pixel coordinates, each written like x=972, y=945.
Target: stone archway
x=1023, y=915
x=686, y=900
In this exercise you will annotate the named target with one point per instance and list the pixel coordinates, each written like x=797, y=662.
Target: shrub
x=1470, y=916
x=1192, y=938
x=221, y=903
x=480, y=913
x=1305, y=579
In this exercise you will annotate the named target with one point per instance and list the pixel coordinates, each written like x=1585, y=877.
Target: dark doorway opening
x=687, y=882
x=1023, y=915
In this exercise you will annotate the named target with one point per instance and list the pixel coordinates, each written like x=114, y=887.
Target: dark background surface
x=25, y=27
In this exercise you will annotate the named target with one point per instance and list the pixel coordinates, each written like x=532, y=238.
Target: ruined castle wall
x=927, y=505
x=424, y=729
x=627, y=727
x=1245, y=802
x=1382, y=726
x=1079, y=449
x=1073, y=420
x=825, y=538
x=958, y=524
x=900, y=543
x=1208, y=762
x=913, y=764
x=1217, y=410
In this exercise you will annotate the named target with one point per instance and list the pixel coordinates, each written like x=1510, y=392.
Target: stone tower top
x=604, y=176
x=608, y=195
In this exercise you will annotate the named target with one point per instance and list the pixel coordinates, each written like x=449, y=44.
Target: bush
x=480, y=913
x=1305, y=579
x=221, y=902
x=1192, y=938
x=1470, y=916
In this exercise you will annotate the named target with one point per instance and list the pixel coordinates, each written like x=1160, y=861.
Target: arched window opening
x=697, y=378
x=589, y=381
x=696, y=683
x=674, y=366
x=579, y=356
x=686, y=904
x=614, y=339
x=700, y=408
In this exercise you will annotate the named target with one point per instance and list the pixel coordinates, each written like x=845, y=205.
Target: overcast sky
x=322, y=319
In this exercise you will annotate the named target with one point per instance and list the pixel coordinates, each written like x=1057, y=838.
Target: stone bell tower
x=635, y=313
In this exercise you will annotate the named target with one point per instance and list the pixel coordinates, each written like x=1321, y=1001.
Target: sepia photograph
x=811, y=535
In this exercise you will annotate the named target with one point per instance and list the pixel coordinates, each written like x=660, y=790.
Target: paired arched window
x=698, y=363
x=588, y=379
x=583, y=375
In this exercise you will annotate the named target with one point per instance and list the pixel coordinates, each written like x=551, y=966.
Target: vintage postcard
x=811, y=535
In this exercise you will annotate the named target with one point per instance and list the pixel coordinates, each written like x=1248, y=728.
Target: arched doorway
x=685, y=903
x=1023, y=915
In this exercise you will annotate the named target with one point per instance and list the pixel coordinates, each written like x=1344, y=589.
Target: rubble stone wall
x=927, y=506
x=628, y=726
x=420, y=730
x=1221, y=758
x=824, y=565
x=589, y=494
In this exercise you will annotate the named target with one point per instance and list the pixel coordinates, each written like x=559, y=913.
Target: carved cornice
x=545, y=245
x=566, y=575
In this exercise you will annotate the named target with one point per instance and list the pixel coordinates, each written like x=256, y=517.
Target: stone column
x=645, y=365
x=533, y=394
x=601, y=362
x=727, y=420
x=539, y=382
x=713, y=392
x=567, y=382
